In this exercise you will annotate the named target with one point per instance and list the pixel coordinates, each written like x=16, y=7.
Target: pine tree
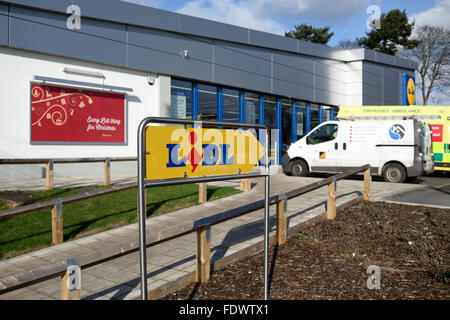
x=394, y=31
x=309, y=33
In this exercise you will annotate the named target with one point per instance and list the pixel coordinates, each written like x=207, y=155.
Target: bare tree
x=348, y=44
x=433, y=57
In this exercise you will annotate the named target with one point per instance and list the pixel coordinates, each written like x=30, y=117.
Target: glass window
x=314, y=115
x=301, y=120
x=270, y=111
x=251, y=107
x=326, y=111
x=207, y=102
x=230, y=105
x=325, y=133
x=270, y=106
x=286, y=123
x=180, y=94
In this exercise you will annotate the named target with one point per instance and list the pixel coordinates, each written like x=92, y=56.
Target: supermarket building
x=78, y=76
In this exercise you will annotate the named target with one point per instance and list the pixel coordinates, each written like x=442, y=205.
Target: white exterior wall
x=19, y=69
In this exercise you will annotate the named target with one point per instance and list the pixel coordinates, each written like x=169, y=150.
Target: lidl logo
x=174, y=152
x=397, y=132
x=410, y=92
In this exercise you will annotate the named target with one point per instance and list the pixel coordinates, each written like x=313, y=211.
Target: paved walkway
x=172, y=260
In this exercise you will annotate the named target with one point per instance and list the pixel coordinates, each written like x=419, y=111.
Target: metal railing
x=202, y=227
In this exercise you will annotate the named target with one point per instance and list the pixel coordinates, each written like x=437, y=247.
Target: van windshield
x=325, y=133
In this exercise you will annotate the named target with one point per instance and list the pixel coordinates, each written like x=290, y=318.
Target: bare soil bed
x=329, y=260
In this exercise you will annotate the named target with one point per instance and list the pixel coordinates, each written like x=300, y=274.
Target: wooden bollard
x=57, y=223
x=71, y=281
x=246, y=184
x=49, y=175
x=331, y=201
x=281, y=222
x=202, y=192
x=107, y=172
x=367, y=184
x=203, y=254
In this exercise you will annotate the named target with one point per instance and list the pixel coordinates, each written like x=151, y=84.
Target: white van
x=395, y=149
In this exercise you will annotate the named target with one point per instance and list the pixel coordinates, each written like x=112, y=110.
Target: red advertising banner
x=71, y=115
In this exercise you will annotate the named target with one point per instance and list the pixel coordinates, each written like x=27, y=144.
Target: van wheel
x=394, y=172
x=299, y=168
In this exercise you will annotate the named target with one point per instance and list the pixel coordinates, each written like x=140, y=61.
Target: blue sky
x=347, y=18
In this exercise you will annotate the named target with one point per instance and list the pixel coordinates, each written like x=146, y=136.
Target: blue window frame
x=180, y=99
x=231, y=109
x=293, y=119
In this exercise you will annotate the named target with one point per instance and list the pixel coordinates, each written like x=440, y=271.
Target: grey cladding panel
x=293, y=90
x=372, y=79
x=313, y=49
x=327, y=71
x=240, y=79
x=120, y=11
x=294, y=70
x=403, y=63
x=328, y=98
x=295, y=76
x=47, y=32
x=264, y=39
x=212, y=29
x=236, y=57
x=51, y=5
x=292, y=60
x=372, y=101
x=372, y=68
x=384, y=58
x=170, y=44
x=374, y=93
x=166, y=57
x=4, y=28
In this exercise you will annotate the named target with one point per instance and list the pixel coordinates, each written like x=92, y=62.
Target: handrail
x=40, y=274
x=63, y=160
x=73, y=198
x=51, y=161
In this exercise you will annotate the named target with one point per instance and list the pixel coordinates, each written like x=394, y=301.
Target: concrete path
x=175, y=259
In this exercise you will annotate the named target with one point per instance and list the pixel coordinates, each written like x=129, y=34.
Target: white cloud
x=228, y=11
x=439, y=15
x=275, y=16
x=148, y=3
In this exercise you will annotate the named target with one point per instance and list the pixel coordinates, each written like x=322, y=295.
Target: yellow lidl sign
x=410, y=92
x=409, y=98
x=175, y=152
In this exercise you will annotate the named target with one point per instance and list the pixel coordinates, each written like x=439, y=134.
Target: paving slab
x=119, y=279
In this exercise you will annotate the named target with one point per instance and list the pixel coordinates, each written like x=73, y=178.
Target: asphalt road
x=436, y=193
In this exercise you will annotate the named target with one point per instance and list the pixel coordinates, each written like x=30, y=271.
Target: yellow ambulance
x=438, y=117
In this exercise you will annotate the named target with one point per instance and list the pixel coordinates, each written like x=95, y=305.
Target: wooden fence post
x=331, y=201
x=246, y=184
x=202, y=192
x=71, y=281
x=281, y=221
x=49, y=175
x=367, y=184
x=107, y=172
x=203, y=254
x=57, y=223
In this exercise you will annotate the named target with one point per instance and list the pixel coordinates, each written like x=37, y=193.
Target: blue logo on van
x=397, y=132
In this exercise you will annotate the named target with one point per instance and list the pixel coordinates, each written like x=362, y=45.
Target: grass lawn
x=32, y=231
